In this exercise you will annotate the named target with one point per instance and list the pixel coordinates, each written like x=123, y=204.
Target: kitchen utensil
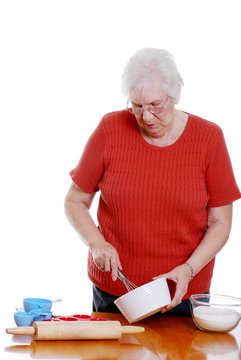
x=37, y=314
x=145, y=300
x=38, y=303
x=78, y=317
x=128, y=284
x=75, y=330
x=215, y=313
x=23, y=318
x=40, y=314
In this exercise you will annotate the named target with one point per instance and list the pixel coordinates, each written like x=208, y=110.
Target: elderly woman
x=166, y=190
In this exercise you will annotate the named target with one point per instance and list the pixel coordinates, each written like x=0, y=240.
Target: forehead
x=148, y=94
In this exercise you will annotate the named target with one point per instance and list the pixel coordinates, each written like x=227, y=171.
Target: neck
x=170, y=133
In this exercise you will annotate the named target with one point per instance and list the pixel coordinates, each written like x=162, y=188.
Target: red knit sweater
x=153, y=201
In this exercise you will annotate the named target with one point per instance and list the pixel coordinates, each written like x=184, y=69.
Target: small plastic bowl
x=215, y=313
x=144, y=301
x=23, y=318
x=40, y=314
x=36, y=303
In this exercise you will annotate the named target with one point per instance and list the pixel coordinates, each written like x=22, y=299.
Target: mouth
x=149, y=125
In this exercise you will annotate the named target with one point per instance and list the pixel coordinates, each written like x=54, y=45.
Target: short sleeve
x=220, y=180
x=90, y=167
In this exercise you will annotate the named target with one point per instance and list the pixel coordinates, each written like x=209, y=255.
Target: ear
x=178, y=92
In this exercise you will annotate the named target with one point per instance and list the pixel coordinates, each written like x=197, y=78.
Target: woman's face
x=157, y=123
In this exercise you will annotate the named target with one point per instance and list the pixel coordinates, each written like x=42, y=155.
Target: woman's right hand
x=77, y=204
x=106, y=258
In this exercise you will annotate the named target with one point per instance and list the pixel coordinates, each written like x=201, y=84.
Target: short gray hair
x=148, y=64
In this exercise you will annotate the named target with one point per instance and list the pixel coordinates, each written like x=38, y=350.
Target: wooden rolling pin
x=75, y=330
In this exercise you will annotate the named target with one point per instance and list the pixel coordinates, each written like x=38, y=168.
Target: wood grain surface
x=165, y=337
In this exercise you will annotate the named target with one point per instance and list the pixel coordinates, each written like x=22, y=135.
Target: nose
x=147, y=116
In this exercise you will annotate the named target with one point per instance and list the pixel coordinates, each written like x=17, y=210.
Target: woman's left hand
x=181, y=275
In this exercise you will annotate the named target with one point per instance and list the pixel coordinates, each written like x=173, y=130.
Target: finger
x=169, y=307
x=114, y=273
x=119, y=264
x=157, y=277
x=99, y=265
x=166, y=275
x=107, y=264
x=177, y=299
x=114, y=269
x=164, y=309
x=115, y=265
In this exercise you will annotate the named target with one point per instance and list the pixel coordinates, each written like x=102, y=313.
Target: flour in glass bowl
x=216, y=319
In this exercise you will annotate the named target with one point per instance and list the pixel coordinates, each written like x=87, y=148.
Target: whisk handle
x=120, y=275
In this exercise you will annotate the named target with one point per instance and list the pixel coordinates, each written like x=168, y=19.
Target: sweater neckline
x=168, y=147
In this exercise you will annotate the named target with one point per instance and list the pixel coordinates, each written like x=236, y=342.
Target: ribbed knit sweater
x=153, y=200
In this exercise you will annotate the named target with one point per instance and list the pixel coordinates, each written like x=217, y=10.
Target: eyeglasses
x=153, y=109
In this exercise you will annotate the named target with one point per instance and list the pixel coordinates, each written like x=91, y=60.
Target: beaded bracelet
x=191, y=268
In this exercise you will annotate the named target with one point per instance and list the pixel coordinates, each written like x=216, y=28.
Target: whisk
x=128, y=284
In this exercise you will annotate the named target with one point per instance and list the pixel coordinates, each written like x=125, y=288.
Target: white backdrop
x=61, y=63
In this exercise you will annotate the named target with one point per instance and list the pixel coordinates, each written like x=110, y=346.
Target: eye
x=136, y=105
x=155, y=103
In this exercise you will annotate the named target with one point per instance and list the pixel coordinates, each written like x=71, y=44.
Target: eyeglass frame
x=135, y=109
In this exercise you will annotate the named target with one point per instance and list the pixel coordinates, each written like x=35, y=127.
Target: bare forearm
x=80, y=218
x=213, y=241
x=77, y=204
x=215, y=238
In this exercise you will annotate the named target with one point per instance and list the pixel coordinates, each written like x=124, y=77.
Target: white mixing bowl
x=144, y=301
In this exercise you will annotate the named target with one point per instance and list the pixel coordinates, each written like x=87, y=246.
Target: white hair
x=148, y=64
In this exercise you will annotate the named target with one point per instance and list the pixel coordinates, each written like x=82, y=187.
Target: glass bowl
x=215, y=313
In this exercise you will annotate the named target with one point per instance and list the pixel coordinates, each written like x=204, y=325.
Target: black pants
x=104, y=302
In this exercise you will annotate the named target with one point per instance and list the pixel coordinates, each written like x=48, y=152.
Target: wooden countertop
x=165, y=337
